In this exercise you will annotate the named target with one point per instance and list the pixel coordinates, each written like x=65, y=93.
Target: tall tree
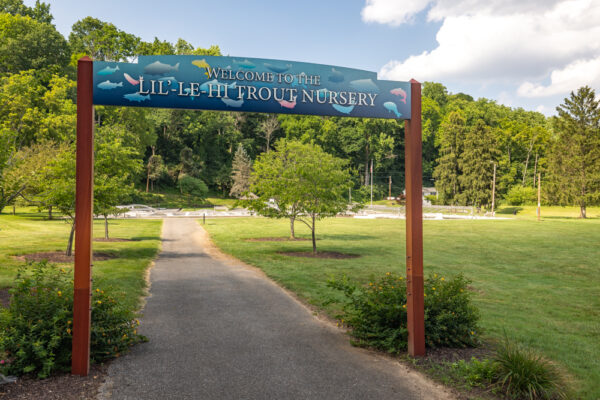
x=102, y=41
x=268, y=128
x=242, y=168
x=447, y=172
x=574, y=160
x=476, y=164
x=40, y=12
x=29, y=44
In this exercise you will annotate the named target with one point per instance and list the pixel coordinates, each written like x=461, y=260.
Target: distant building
x=426, y=191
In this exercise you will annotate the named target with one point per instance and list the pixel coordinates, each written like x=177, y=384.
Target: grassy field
x=30, y=232
x=538, y=283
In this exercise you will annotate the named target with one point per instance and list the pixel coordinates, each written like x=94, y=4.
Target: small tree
x=268, y=128
x=574, y=160
x=242, y=168
x=193, y=186
x=300, y=181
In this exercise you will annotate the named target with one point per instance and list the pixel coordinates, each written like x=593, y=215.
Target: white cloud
x=578, y=73
x=519, y=43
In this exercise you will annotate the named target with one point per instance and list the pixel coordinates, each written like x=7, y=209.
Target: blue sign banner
x=249, y=85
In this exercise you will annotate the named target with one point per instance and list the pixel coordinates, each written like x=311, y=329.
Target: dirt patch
x=276, y=239
x=452, y=355
x=4, y=297
x=63, y=386
x=319, y=254
x=113, y=240
x=60, y=257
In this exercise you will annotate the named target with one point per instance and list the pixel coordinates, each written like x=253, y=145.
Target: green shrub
x=193, y=186
x=377, y=312
x=475, y=373
x=521, y=373
x=36, y=329
x=519, y=195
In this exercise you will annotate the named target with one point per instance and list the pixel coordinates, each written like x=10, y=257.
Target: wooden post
x=539, y=207
x=415, y=303
x=390, y=187
x=494, y=191
x=80, y=359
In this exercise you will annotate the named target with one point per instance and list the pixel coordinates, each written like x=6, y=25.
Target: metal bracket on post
x=415, y=299
x=84, y=194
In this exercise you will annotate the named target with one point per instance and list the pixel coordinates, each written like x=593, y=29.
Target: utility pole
x=494, y=191
x=390, y=190
x=371, y=182
x=539, y=207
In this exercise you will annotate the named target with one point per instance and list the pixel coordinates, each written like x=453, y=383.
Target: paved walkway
x=219, y=330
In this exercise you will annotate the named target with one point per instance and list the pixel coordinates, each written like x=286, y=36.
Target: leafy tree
x=102, y=41
x=155, y=169
x=29, y=44
x=193, y=186
x=574, y=160
x=476, y=163
x=301, y=179
x=115, y=167
x=447, y=172
x=242, y=169
x=40, y=12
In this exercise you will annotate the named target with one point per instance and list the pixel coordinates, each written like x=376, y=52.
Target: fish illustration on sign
x=108, y=85
x=392, y=107
x=136, y=97
x=108, y=70
x=365, y=85
x=278, y=68
x=130, y=79
x=202, y=64
x=343, y=109
x=158, y=68
x=232, y=103
x=288, y=104
x=336, y=76
x=245, y=64
x=214, y=82
x=399, y=92
x=171, y=79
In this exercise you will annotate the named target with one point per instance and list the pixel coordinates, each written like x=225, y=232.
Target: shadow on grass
x=558, y=217
x=510, y=210
x=345, y=237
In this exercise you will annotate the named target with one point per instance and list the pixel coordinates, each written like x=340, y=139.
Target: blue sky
x=521, y=53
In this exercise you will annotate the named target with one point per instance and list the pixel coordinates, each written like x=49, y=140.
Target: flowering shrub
x=36, y=329
x=377, y=312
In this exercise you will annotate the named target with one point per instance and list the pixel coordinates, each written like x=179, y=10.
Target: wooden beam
x=84, y=195
x=415, y=304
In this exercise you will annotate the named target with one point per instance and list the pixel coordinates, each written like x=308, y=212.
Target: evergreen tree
x=574, y=161
x=242, y=168
x=476, y=164
x=452, y=134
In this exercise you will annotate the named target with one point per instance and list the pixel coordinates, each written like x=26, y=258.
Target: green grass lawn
x=537, y=282
x=30, y=232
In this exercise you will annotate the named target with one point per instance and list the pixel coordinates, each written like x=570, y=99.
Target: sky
x=520, y=53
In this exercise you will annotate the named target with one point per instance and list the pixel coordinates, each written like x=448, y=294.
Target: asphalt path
x=221, y=330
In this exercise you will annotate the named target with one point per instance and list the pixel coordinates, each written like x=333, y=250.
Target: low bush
x=377, y=312
x=193, y=186
x=521, y=195
x=36, y=329
x=524, y=374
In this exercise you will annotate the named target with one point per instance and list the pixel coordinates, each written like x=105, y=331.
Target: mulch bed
x=319, y=254
x=60, y=257
x=113, y=240
x=59, y=387
x=452, y=355
x=276, y=239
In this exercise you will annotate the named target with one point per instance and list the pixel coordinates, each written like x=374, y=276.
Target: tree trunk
x=527, y=162
x=582, y=213
x=148, y=180
x=14, y=210
x=535, y=169
x=314, y=241
x=105, y=226
x=49, y=212
x=70, y=244
x=292, y=233
x=367, y=156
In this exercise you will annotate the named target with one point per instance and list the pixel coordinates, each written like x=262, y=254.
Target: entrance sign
x=247, y=85
x=251, y=85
